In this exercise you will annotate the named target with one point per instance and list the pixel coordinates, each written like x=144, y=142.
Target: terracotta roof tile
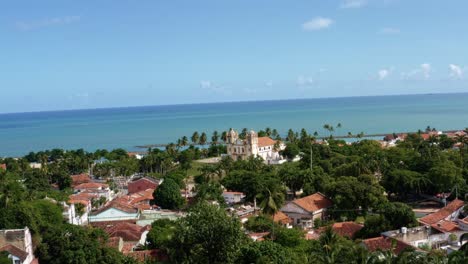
x=346, y=229
x=265, y=142
x=313, y=202
x=91, y=185
x=282, y=218
x=446, y=226
x=80, y=178
x=442, y=213
x=21, y=254
x=384, y=243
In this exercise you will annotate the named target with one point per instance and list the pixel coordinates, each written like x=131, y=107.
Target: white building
x=264, y=147
x=233, y=197
x=18, y=244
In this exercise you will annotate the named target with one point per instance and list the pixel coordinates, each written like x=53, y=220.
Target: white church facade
x=264, y=147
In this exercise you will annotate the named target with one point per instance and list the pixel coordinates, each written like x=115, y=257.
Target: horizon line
x=223, y=102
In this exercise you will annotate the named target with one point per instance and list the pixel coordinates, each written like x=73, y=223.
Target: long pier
x=322, y=138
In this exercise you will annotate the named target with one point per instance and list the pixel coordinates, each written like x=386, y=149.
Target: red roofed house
x=282, y=219
x=79, y=179
x=94, y=188
x=305, y=210
x=117, y=210
x=18, y=244
x=2, y=166
x=264, y=147
x=142, y=184
x=449, y=213
x=385, y=244
x=347, y=229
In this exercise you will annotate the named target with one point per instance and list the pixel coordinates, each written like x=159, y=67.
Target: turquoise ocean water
x=129, y=127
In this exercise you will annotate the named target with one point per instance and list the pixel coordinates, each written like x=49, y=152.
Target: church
x=264, y=147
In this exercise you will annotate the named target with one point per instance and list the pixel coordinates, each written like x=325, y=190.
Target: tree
x=224, y=136
x=161, y=234
x=203, y=138
x=271, y=200
x=215, y=137
x=206, y=235
x=264, y=252
x=291, y=151
x=195, y=137
x=4, y=257
x=167, y=195
x=75, y=245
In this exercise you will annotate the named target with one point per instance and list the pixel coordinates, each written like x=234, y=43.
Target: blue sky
x=90, y=54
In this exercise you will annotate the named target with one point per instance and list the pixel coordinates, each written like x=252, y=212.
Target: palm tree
x=270, y=201
x=224, y=136
x=215, y=137
x=274, y=133
x=203, y=138
x=268, y=131
x=184, y=141
x=329, y=128
x=195, y=137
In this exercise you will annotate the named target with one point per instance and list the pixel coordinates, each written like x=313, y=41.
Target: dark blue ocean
x=129, y=127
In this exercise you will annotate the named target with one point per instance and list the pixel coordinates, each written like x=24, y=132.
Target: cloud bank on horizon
x=67, y=56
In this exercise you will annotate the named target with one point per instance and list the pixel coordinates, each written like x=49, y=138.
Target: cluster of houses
x=443, y=229
x=392, y=139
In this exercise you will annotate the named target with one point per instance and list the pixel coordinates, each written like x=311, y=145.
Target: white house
x=305, y=210
x=233, y=197
x=18, y=244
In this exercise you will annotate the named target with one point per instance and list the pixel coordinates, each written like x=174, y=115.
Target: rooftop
x=313, y=202
x=385, y=243
x=443, y=213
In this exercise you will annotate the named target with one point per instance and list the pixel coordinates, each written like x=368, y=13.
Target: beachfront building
x=253, y=145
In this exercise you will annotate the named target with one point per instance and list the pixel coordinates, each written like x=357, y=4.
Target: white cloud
x=317, y=23
x=423, y=72
x=353, y=3
x=213, y=87
x=389, y=31
x=383, y=74
x=456, y=71
x=426, y=70
x=31, y=25
x=205, y=84
x=304, y=81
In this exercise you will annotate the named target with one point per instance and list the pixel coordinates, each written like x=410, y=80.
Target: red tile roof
x=114, y=242
x=385, y=243
x=442, y=213
x=21, y=254
x=80, y=178
x=91, y=185
x=127, y=231
x=346, y=229
x=280, y=217
x=313, y=202
x=446, y=226
x=265, y=142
